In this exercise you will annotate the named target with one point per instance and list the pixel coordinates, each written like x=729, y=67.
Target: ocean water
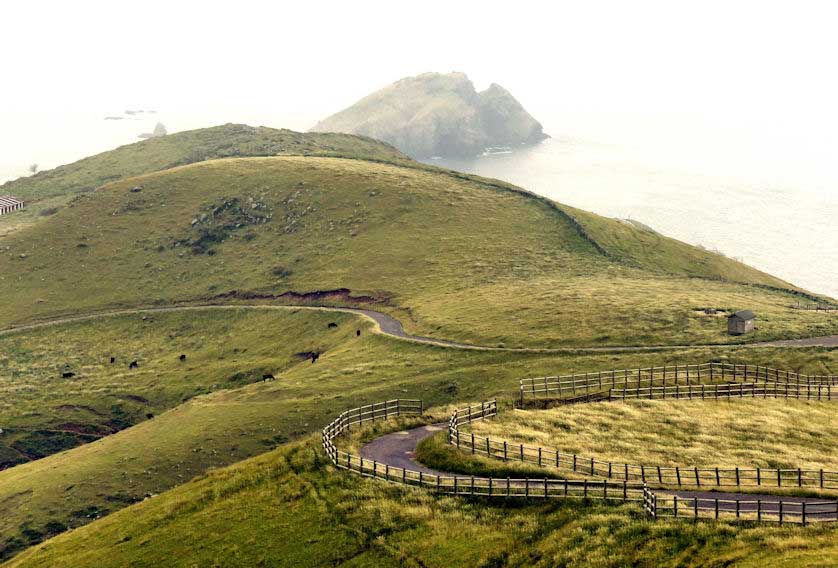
x=734, y=192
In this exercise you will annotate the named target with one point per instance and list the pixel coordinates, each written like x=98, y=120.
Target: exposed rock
x=435, y=114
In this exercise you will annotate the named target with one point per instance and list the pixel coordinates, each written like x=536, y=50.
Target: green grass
x=455, y=257
x=746, y=433
x=222, y=427
x=42, y=412
x=229, y=140
x=52, y=189
x=290, y=508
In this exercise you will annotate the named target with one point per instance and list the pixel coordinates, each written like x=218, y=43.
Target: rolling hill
x=140, y=464
x=48, y=190
x=455, y=256
x=452, y=255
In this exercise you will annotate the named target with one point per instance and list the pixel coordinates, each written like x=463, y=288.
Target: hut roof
x=743, y=315
x=7, y=200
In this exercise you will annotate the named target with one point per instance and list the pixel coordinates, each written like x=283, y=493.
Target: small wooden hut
x=741, y=322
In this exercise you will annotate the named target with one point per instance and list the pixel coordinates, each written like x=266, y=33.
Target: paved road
x=399, y=448
x=390, y=326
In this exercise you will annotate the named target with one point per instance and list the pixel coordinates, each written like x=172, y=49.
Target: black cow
x=357, y=333
x=268, y=377
x=113, y=360
x=133, y=365
x=67, y=375
x=332, y=325
x=182, y=357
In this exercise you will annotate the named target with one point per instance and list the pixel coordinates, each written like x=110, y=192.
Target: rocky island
x=436, y=114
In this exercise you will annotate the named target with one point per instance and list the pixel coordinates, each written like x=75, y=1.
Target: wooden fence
x=457, y=484
x=728, y=390
x=655, y=505
x=581, y=384
x=663, y=476
x=781, y=510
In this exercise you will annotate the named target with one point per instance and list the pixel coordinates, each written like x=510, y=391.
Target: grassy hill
x=80, y=485
x=784, y=434
x=289, y=508
x=454, y=256
x=44, y=413
x=50, y=189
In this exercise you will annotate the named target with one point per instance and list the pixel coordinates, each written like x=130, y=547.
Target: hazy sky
x=766, y=68
x=307, y=58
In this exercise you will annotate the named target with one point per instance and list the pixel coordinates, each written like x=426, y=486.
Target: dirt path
x=399, y=449
x=390, y=326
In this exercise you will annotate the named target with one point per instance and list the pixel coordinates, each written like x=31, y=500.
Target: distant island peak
x=439, y=115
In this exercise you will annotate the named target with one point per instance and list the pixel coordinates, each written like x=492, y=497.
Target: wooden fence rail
x=544, y=488
x=780, y=510
x=728, y=390
x=663, y=476
x=456, y=484
x=579, y=384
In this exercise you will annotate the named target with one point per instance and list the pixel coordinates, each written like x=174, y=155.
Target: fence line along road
x=727, y=390
x=655, y=505
x=459, y=484
x=663, y=476
x=579, y=384
x=659, y=505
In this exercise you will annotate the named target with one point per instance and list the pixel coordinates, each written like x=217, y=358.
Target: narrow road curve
x=391, y=327
x=398, y=449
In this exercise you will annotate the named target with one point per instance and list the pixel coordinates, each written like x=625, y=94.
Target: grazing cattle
x=268, y=377
x=113, y=360
x=182, y=357
x=133, y=365
x=67, y=375
x=332, y=325
x=314, y=357
x=357, y=333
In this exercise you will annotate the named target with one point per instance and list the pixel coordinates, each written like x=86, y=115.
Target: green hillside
x=229, y=140
x=349, y=222
x=49, y=190
x=289, y=508
x=80, y=485
x=44, y=413
x=455, y=256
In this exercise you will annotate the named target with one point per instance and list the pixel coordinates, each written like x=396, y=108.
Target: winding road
x=398, y=449
x=391, y=327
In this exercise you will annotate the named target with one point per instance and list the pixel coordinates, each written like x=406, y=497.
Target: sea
x=764, y=192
